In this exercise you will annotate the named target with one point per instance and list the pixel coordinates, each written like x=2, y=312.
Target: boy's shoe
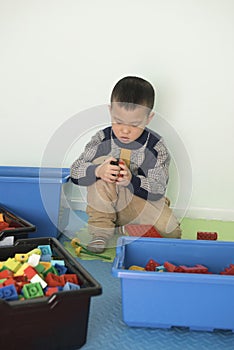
x=97, y=245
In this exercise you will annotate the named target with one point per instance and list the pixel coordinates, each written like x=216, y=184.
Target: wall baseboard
x=205, y=213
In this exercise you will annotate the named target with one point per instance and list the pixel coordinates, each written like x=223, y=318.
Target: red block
x=194, y=269
x=51, y=290
x=54, y=280
x=170, y=267
x=6, y=274
x=210, y=236
x=30, y=272
x=142, y=231
x=70, y=278
x=151, y=265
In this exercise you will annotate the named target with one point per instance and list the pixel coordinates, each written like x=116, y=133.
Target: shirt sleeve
x=152, y=179
x=82, y=171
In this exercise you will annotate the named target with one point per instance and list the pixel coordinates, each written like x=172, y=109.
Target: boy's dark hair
x=131, y=91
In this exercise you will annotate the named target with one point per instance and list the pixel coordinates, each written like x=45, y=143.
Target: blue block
x=8, y=293
x=45, y=249
x=34, y=194
x=46, y=257
x=71, y=286
x=60, y=262
x=61, y=269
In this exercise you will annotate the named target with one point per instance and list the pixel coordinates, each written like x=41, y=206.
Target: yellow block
x=135, y=267
x=125, y=155
x=1, y=217
x=21, y=257
x=46, y=264
x=20, y=272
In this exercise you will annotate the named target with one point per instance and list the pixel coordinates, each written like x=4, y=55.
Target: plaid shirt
x=149, y=162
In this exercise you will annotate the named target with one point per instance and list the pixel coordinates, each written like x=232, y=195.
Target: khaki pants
x=111, y=206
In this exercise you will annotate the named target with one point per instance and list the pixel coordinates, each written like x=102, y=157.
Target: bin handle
x=119, y=260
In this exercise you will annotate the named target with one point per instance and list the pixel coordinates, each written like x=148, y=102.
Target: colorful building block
x=54, y=280
x=34, y=259
x=61, y=270
x=211, y=236
x=21, y=257
x=32, y=290
x=71, y=286
x=45, y=249
x=12, y=265
x=151, y=265
x=8, y=293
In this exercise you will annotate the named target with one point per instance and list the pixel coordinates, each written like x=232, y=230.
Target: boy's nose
x=125, y=129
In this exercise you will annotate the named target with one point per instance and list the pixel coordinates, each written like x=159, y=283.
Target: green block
x=3, y=280
x=50, y=269
x=32, y=290
x=39, y=268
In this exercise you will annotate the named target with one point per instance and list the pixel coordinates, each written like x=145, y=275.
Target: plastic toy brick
x=194, y=269
x=151, y=265
x=169, y=266
x=51, y=290
x=137, y=268
x=8, y=293
x=46, y=264
x=5, y=273
x=30, y=272
x=160, y=268
x=59, y=262
x=46, y=257
x=71, y=278
x=12, y=265
x=71, y=286
x=3, y=225
x=51, y=269
x=45, y=249
x=21, y=257
x=142, y=231
x=60, y=269
x=54, y=281
x=32, y=290
x=9, y=281
x=34, y=259
x=36, y=278
x=34, y=251
x=20, y=271
x=228, y=271
x=211, y=236
x=40, y=268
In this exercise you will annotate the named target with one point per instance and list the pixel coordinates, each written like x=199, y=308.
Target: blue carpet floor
x=107, y=331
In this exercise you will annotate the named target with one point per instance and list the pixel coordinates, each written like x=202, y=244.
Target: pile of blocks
x=153, y=265
x=35, y=274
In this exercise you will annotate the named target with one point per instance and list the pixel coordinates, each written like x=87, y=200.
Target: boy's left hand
x=125, y=174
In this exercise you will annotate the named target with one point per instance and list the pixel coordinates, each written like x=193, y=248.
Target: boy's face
x=128, y=125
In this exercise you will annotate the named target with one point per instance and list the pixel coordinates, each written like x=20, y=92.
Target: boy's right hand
x=107, y=171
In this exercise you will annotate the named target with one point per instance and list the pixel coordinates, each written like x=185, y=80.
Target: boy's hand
x=125, y=174
x=107, y=171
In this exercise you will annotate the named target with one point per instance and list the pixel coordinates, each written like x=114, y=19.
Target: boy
x=125, y=168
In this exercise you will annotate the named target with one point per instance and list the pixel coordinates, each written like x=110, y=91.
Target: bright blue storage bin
x=34, y=194
x=166, y=299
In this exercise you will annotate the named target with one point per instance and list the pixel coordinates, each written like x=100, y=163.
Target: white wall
x=59, y=58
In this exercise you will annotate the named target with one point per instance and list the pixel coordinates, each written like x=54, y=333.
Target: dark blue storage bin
x=167, y=299
x=34, y=194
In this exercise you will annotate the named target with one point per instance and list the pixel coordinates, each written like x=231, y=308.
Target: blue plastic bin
x=166, y=299
x=34, y=194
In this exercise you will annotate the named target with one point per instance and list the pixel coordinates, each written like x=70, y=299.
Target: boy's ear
x=150, y=117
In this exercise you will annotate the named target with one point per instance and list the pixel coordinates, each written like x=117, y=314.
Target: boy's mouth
x=124, y=139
